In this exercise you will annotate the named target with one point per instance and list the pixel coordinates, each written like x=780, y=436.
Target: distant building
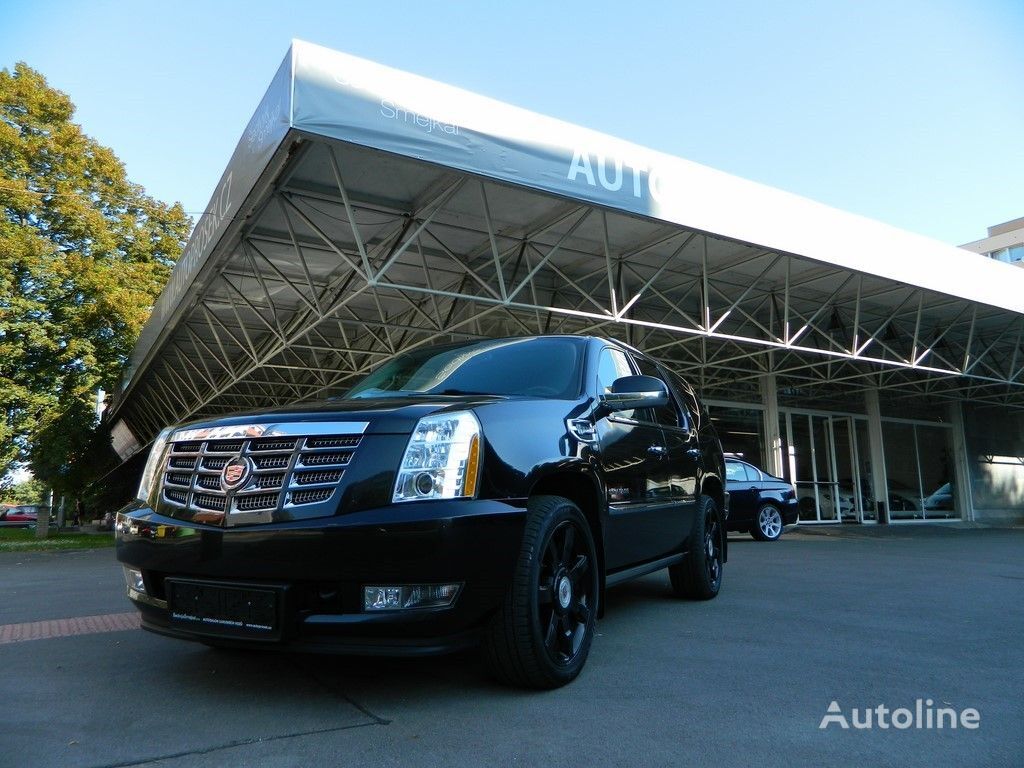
x=1005, y=242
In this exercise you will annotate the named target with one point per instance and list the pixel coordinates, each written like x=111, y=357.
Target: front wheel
x=699, y=575
x=541, y=636
x=768, y=525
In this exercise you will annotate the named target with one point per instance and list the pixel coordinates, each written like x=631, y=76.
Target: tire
x=699, y=575
x=541, y=636
x=768, y=523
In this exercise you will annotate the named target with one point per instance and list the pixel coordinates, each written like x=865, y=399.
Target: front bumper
x=321, y=565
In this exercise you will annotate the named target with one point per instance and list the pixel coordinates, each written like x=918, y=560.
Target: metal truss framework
x=354, y=257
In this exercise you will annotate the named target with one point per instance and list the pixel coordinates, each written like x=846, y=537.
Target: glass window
x=741, y=431
x=542, y=367
x=901, y=470
x=611, y=365
x=685, y=399
x=735, y=471
x=666, y=415
x=934, y=455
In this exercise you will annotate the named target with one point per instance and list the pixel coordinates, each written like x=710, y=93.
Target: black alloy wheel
x=563, y=595
x=713, y=554
x=541, y=636
x=699, y=575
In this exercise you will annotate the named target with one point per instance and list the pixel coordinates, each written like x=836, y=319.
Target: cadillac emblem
x=235, y=473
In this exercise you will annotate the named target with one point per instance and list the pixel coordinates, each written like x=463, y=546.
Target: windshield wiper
x=459, y=392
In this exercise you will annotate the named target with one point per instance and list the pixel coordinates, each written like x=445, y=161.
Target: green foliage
x=26, y=492
x=84, y=253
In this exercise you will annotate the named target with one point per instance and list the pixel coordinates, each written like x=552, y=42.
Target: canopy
x=366, y=211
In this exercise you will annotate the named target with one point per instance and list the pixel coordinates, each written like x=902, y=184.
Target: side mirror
x=631, y=392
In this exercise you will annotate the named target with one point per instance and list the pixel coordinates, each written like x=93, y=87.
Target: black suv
x=487, y=490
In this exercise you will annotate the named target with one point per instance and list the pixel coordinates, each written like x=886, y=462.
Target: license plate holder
x=244, y=611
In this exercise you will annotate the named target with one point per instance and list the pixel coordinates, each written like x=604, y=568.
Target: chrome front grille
x=284, y=472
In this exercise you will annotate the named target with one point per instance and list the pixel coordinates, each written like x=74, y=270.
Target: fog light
x=133, y=578
x=402, y=596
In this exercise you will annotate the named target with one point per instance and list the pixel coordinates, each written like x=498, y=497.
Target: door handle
x=658, y=450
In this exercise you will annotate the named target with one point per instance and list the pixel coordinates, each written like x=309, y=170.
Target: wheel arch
x=583, y=490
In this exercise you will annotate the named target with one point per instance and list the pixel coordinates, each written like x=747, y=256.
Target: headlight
x=153, y=464
x=442, y=460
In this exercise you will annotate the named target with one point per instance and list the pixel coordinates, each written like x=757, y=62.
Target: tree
x=84, y=253
x=30, y=491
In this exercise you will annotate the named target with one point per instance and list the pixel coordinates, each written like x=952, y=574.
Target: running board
x=642, y=570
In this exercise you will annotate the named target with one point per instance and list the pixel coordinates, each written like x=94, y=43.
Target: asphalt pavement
x=863, y=618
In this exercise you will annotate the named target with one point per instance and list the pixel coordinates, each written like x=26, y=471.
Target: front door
x=633, y=456
x=634, y=460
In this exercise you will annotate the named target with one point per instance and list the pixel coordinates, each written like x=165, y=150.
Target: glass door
x=812, y=466
x=848, y=435
x=823, y=461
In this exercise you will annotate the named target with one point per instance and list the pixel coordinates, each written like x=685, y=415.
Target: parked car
x=488, y=491
x=940, y=500
x=23, y=516
x=759, y=504
x=901, y=500
x=844, y=500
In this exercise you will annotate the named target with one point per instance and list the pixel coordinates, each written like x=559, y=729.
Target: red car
x=19, y=517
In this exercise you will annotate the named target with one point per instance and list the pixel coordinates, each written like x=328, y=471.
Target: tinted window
x=734, y=471
x=737, y=470
x=691, y=412
x=612, y=365
x=544, y=367
x=667, y=415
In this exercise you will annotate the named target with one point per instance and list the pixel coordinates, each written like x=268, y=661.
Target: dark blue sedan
x=759, y=504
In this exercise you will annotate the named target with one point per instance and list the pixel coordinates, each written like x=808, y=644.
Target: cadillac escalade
x=485, y=492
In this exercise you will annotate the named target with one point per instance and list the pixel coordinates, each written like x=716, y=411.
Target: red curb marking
x=81, y=625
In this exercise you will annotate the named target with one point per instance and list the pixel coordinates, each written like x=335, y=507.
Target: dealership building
x=367, y=211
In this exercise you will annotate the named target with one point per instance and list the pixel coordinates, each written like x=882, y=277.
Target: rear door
x=743, y=483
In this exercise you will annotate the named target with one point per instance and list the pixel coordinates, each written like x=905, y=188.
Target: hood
x=386, y=415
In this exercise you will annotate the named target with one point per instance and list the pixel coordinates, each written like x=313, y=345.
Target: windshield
x=539, y=367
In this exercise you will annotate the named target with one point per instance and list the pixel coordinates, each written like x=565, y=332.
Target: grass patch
x=24, y=540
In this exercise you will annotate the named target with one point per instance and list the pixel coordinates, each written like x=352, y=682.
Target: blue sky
x=905, y=111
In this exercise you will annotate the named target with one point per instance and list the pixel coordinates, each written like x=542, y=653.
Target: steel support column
x=961, y=479
x=770, y=416
x=879, y=481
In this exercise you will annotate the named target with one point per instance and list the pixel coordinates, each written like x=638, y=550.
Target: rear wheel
x=768, y=523
x=699, y=575
x=541, y=636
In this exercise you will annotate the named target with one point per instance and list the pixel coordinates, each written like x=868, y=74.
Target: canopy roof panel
x=366, y=210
